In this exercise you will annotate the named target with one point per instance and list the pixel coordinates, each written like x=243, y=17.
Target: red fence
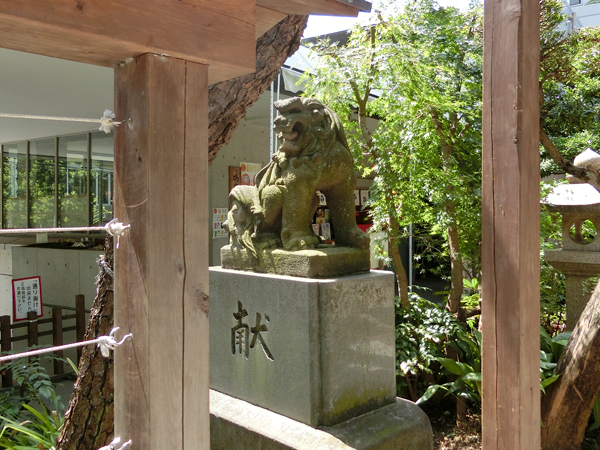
x=32, y=324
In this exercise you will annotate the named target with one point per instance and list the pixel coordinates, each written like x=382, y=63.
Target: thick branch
x=229, y=100
x=589, y=175
x=568, y=403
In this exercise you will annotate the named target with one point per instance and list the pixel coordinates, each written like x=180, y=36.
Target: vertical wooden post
x=6, y=335
x=80, y=322
x=32, y=328
x=511, y=393
x=161, y=266
x=57, y=338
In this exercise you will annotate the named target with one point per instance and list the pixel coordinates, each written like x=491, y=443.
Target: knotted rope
x=106, y=121
x=105, y=343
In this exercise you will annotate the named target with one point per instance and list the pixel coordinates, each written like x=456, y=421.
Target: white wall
x=6, y=280
x=249, y=143
x=65, y=273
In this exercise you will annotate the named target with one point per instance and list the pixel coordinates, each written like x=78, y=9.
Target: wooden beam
x=511, y=393
x=161, y=266
x=266, y=19
x=220, y=34
x=325, y=7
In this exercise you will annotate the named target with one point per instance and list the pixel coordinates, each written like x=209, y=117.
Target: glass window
x=42, y=200
x=72, y=181
x=14, y=189
x=574, y=2
x=102, y=178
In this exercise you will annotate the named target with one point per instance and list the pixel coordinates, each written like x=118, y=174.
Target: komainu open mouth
x=292, y=135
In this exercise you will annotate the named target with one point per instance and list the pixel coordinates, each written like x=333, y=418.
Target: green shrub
x=31, y=414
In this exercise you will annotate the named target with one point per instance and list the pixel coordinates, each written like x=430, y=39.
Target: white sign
x=27, y=296
x=219, y=216
x=249, y=171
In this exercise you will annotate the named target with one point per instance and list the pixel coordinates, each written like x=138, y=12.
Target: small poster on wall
x=235, y=176
x=364, y=197
x=249, y=171
x=27, y=296
x=219, y=216
x=326, y=230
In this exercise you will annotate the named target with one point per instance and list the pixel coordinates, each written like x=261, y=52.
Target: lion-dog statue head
x=313, y=155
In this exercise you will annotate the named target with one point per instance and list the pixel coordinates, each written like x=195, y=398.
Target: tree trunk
x=229, y=100
x=456, y=268
x=89, y=419
x=456, y=265
x=568, y=402
x=397, y=261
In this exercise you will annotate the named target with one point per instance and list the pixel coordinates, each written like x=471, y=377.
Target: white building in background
x=581, y=14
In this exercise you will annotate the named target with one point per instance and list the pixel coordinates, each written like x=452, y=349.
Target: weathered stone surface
x=327, y=351
x=236, y=424
x=313, y=156
x=323, y=262
x=577, y=267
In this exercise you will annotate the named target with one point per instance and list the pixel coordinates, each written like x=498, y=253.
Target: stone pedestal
x=236, y=424
x=326, y=349
x=317, y=352
x=577, y=266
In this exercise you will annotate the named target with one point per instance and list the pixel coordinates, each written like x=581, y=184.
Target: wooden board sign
x=27, y=296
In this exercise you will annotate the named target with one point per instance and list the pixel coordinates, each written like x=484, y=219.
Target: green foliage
x=468, y=369
x=570, y=80
x=31, y=414
x=552, y=281
x=419, y=73
x=470, y=300
x=422, y=332
x=39, y=432
x=551, y=349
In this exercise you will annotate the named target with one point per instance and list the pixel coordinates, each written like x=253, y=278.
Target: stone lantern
x=579, y=257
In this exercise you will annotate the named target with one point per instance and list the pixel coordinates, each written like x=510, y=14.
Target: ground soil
x=450, y=435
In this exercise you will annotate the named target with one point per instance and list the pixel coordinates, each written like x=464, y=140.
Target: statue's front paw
x=301, y=242
x=358, y=238
x=257, y=212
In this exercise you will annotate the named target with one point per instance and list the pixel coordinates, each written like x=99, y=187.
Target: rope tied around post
x=108, y=343
x=114, y=443
x=104, y=343
x=106, y=122
x=116, y=229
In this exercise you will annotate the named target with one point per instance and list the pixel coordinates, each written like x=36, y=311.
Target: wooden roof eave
x=219, y=34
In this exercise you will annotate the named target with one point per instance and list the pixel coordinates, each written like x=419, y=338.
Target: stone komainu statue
x=313, y=156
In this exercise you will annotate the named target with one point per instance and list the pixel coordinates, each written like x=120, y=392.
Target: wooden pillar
x=511, y=393
x=161, y=265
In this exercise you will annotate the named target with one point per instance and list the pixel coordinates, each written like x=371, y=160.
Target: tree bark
x=456, y=268
x=89, y=419
x=568, y=402
x=456, y=263
x=229, y=100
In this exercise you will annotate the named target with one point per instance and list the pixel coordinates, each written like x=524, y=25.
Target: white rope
x=105, y=343
x=113, y=444
x=106, y=121
x=114, y=228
